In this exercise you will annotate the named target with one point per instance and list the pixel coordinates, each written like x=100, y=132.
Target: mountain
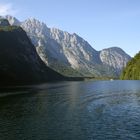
x=70, y=54
x=132, y=69
x=19, y=61
x=114, y=57
x=12, y=20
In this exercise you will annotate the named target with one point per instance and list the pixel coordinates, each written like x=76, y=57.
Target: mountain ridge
x=62, y=51
x=19, y=61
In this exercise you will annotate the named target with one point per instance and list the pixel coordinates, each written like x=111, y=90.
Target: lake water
x=90, y=110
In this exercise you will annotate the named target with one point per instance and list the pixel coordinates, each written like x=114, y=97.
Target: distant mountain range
x=71, y=55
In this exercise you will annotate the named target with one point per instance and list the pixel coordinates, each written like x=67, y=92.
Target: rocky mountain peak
x=35, y=22
x=114, y=48
x=64, y=51
x=12, y=20
x=114, y=57
x=59, y=35
x=35, y=27
x=36, y=30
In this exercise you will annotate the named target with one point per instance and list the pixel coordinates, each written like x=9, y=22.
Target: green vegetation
x=132, y=70
x=66, y=70
x=8, y=28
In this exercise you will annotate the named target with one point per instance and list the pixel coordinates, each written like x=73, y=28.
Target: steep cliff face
x=132, y=69
x=114, y=57
x=19, y=61
x=70, y=54
x=78, y=51
x=66, y=53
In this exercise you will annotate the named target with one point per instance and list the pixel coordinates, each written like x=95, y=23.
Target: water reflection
x=71, y=110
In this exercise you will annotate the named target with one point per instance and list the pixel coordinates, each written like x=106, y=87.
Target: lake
x=89, y=110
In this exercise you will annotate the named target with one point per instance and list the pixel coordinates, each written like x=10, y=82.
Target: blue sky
x=103, y=23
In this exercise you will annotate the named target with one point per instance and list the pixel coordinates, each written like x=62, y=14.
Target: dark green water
x=97, y=110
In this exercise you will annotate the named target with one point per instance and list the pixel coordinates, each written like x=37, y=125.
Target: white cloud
x=7, y=9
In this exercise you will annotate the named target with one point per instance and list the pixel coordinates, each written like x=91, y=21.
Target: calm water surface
x=95, y=110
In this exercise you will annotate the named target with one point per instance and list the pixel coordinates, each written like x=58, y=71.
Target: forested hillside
x=132, y=70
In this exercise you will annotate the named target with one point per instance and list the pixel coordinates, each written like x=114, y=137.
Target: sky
x=103, y=23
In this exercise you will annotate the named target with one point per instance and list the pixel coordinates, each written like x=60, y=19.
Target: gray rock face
x=78, y=52
x=48, y=49
x=13, y=20
x=68, y=53
x=114, y=57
